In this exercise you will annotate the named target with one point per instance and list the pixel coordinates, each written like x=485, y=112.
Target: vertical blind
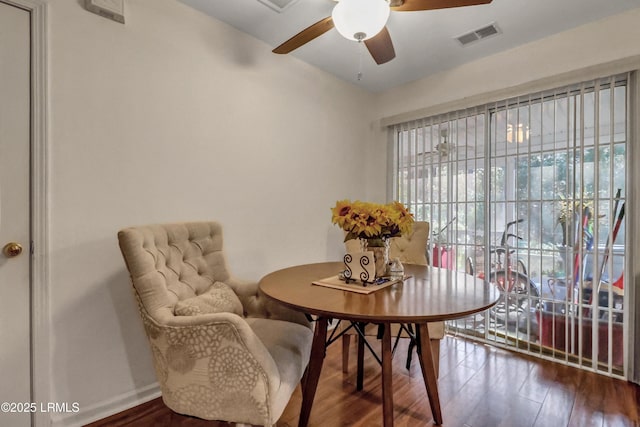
x=529, y=193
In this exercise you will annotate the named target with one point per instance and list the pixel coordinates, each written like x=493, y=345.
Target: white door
x=14, y=216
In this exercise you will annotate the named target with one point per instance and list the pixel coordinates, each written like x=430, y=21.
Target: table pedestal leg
x=429, y=371
x=387, y=382
x=318, y=351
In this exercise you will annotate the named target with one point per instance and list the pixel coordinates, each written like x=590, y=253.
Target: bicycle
x=514, y=283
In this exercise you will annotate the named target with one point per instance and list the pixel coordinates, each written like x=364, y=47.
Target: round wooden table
x=430, y=294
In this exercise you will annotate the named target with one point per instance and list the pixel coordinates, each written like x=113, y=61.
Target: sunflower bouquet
x=372, y=221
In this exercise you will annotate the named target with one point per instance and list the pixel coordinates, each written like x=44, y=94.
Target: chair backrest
x=411, y=248
x=172, y=262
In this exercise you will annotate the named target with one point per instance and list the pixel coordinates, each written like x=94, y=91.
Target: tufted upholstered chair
x=239, y=361
x=411, y=249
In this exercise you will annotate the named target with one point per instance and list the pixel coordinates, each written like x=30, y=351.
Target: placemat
x=355, y=285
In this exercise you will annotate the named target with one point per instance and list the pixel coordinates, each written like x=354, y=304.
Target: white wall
x=173, y=117
x=602, y=41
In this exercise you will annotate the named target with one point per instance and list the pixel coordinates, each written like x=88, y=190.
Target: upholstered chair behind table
x=221, y=351
x=410, y=249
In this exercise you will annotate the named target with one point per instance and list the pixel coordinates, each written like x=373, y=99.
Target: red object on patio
x=620, y=282
x=555, y=334
x=444, y=257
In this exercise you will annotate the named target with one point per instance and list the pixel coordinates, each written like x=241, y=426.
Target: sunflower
x=341, y=212
x=372, y=220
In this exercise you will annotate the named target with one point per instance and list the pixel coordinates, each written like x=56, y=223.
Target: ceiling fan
x=443, y=149
x=365, y=21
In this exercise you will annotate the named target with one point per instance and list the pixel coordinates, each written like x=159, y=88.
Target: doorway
x=37, y=249
x=15, y=214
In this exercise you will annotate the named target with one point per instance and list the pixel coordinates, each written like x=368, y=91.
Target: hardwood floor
x=479, y=385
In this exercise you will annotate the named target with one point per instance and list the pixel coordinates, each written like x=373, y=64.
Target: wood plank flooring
x=480, y=386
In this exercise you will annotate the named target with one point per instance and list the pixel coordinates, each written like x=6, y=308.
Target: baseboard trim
x=109, y=407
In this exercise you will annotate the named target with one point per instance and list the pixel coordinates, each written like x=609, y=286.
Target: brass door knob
x=12, y=249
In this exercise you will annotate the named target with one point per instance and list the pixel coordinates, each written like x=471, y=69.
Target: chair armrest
x=218, y=356
x=213, y=329
x=257, y=304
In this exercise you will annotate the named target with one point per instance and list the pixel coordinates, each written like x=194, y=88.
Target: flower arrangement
x=572, y=211
x=372, y=221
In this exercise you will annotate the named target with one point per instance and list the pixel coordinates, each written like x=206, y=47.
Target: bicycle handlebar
x=438, y=233
x=506, y=234
x=517, y=221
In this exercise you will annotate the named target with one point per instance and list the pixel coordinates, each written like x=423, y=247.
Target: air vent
x=278, y=5
x=479, y=34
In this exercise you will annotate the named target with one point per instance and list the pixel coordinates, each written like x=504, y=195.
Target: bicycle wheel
x=519, y=295
x=469, y=268
x=521, y=267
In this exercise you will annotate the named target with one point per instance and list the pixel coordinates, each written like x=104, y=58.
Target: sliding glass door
x=529, y=193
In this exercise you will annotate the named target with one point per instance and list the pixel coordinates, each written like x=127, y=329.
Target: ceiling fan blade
x=381, y=47
x=415, y=5
x=429, y=156
x=305, y=36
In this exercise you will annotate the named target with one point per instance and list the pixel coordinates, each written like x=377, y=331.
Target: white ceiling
x=424, y=41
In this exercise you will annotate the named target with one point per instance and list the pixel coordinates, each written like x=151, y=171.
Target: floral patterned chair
x=410, y=249
x=221, y=351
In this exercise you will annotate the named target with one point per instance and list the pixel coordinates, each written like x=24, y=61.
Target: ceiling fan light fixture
x=360, y=19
